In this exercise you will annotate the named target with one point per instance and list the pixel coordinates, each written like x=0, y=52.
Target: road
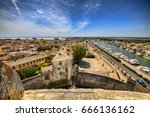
x=126, y=69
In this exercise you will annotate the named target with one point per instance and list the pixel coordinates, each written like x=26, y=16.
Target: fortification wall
x=98, y=81
x=35, y=83
x=84, y=80
x=44, y=83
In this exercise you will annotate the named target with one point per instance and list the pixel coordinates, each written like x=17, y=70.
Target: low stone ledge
x=83, y=94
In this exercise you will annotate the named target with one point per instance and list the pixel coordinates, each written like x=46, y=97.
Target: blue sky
x=33, y=18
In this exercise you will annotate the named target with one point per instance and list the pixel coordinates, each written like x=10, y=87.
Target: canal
x=142, y=61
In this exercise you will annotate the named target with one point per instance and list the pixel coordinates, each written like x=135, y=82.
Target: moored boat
x=134, y=61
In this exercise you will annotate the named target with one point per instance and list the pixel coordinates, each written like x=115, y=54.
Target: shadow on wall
x=89, y=80
x=43, y=83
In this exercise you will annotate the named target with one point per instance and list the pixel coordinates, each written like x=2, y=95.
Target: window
x=60, y=63
x=60, y=73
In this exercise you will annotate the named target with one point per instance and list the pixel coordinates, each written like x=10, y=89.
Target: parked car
x=141, y=83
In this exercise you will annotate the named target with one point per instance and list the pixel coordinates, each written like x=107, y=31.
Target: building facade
x=62, y=65
x=28, y=61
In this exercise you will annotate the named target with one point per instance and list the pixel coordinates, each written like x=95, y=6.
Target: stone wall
x=61, y=83
x=44, y=83
x=35, y=83
x=91, y=80
x=62, y=65
x=10, y=83
x=83, y=80
x=139, y=88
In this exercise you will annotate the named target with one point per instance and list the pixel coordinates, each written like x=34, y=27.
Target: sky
x=46, y=18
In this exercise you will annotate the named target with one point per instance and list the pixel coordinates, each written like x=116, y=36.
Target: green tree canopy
x=41, y=64
x=28, y=72
x=44, y=48
x=78, y=52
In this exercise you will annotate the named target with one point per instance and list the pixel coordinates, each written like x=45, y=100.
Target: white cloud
x=91, y=5
x=55, y=21
x=27, y=28
x=69, y=3
x=14, y=16
x=98, y=4
x=17, y=8
x=81, y=25
x=39, y=11
x=55, y=18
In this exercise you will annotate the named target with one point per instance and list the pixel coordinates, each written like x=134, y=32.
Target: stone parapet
x=83, y=94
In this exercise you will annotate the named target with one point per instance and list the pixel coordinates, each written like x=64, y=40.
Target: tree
x=78, y=52
x=28, y=72
x=44, y=48
x=42, y=64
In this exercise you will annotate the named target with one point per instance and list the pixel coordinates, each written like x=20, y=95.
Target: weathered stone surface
x=83, y=94
x=94, y=80
x=35, y=82
x=10, y=84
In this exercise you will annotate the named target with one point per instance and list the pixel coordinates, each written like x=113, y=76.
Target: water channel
x=142, y=61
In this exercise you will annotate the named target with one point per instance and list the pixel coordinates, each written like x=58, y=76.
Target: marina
x=126, y=55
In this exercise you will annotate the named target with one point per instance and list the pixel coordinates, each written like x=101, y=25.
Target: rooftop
x=25, y=60
x=63, y=54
